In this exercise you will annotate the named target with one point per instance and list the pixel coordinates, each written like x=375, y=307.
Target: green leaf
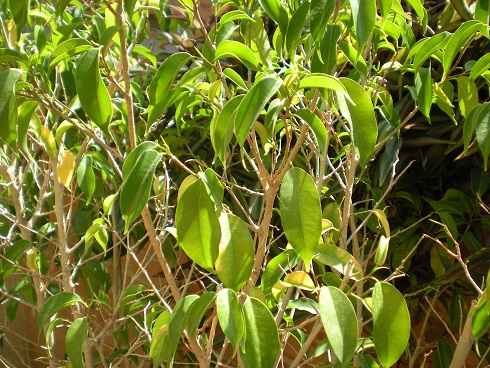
x=482, y=65
x=136, y=187
x=443, y=355
x=426, y=47
x=385, y=8
x=129, y=7
x=361, y=119
x=213, y=186
x=424, y=89
x=54, y=304
x=318, y=80
x=364, y=15
x=482, y=132
x=92, y=92
x=8, y=108
x=481, y=315
x=130, y=161
x=276, y=11
x=301, y=213
x=320, y=13
x=230, y=316
x=340, y=322
x=198, y=228
x=26, y=110
x=382, y=250
x=197, y=310
x=18, y=10
x=86, y=177
x=252, y=105
x=467, y=95
x=337, y=258
x=239, y=51
x=328, y=48
x=221, y=130
x=275, y=268
x=262, y=338
x=236, y=252
x=144, y=51
x=458, y=42
x=66, y=49
x=160, y=86
x=391, y=323
x=482, y=11
x=418, y=6
x=75, y=339
x=12, y=56
x=316, y=126
x=160, y=342
x=295, y=27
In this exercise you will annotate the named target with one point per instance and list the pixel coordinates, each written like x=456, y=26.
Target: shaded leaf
x=8, y=108
x=197, y=310
x=54, y=304
x=337, y=258
x=230, y=316
x=320, y=13
x=75, y=339
x=364, y=15
x=316, y=126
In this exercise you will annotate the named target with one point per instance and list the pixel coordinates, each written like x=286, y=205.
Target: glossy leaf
x=461, y=37
x=230, y=316
x=361, y=119
x=221, y=130
x=320, y=13
x=160, y=343
x=301, y=213
x=340, y=322
x=276, y=11
x=317, y=80
x=26, y=111
x=197, y=310
x=482, y=65
x=66, y=49
x=482, y=132
x=213, y=186
x=86, y=177
x=130, y=161
x=316, y=126
x=252, y=105
x=75, y=339
x=385, y=8
x=482, y=11
x=295, y=27
x=391, y=321
x=274, y=269
x=239, y=51
x=8, y=109
x=262, y=344
x=54, y=304
x=337, y=258
x=198, y=228
x=160, y=87
x=424, y=89
x=328, y=47
x=381, y=250
x=364, y=16
x=467, y=94
x=92, y=92
x=425, y=48
x=136, y=187
x=236, y=252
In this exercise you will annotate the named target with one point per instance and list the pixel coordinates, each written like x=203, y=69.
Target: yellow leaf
x=65, y=169
x=299, y=279
x=384, y=221
x=48, y=141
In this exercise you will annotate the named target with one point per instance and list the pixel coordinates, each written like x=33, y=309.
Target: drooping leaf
x=340, y=322
x=252, y=105
x=391, y=323
x=467, y=94
x=261, y=336
x=301, y=213
x=66, y=49
x=424, y=89
x=382, y=250
x=425, y=48
x=26, y=110
x=92, y=92
x=197, y=310
x=316, y=126
x=318, y=80
x=198, y=228
x=75, y=339
x=328, y=47
x=86, y=177
x=361, y=119
x=160, y=87
x=482, y=132
x=54, y=304
x=480, y=66
x=236, y=252
x=221, y=130
x=364, y=15
x=8, y=108
x=230, y=316
x=274, y=269
x=136, y=187
x=276, y=11
x=239, y=51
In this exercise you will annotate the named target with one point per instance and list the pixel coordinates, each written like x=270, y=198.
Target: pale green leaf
x=197, y=310
x=239, y=51
x=337, y=258
x=316, y=126
x=8, y=108
x=54, y=304
x=364, y=15
x=230, y=316
x=75, y=339
x=482, y=65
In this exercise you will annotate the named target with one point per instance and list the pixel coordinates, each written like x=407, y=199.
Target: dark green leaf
x=316, y=126
x=295, y=27
x=320, y=13
x=54, y=304
x=364, y=15
x=482, y=132
x=8, y=108
x=424, y=89
x=75, y=339
x=197, y=310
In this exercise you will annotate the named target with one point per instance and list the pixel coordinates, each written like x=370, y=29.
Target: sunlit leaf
x=236, y=252
x=340, y=322
x=424, y=89
x=316, y=126
x=54, y=304
x=320, y=13
x=239, y=51
x=197, y=310
x=364, y=15
x=339, y=259
x=8, y=109
x=230, y=316
x=65, y=169
x=295, y=27
x=391, y=323
x=301, y=213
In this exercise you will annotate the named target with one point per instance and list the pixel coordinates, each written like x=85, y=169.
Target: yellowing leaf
x=66, y=166
x=299, y=279
x=384, y=221
x=48, y=141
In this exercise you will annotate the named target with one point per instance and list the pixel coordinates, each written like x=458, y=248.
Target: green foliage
x=213, y=183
